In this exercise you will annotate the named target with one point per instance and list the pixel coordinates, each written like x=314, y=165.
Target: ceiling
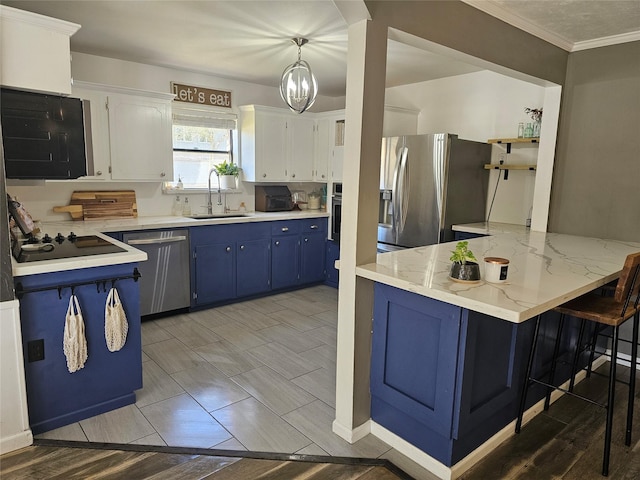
x=251, y=40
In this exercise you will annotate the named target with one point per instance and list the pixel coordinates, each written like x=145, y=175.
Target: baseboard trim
x=15, y=442
x=352, y=435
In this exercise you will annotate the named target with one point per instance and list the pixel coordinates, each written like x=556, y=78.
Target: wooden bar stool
x=606, y=312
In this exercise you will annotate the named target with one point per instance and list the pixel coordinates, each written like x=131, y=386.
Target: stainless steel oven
x=336, y=211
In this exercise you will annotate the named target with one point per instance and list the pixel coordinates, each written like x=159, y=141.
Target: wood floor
x=567, y=441
x=65, y=463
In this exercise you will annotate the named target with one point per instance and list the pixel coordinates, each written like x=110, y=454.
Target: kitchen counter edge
x=132, y=255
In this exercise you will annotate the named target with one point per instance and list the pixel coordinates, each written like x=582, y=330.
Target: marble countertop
x=545, y=270
x=94, y=227
x=490, y=228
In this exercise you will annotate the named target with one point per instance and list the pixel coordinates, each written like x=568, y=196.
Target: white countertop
x=130, y=255
x=149, y=223
x=490, y=228
x=94, y=227
x=545, y=270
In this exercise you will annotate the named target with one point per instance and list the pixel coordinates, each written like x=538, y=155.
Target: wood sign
x=201, y=96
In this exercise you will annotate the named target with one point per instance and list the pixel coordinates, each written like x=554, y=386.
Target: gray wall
x=466, y=29
x=596, y=181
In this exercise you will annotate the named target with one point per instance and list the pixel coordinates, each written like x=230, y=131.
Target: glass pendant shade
x=298, y=85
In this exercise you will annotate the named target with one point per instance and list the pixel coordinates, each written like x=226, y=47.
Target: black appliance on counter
x=273, y=198
x=45, y=136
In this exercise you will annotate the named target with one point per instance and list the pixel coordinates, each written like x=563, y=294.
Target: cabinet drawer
x=310, y=225
x=286, y=227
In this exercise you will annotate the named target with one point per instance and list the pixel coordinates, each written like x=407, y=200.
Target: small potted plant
x=227, y=174
x=465, y=266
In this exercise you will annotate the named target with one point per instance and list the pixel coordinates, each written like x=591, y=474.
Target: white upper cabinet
x=131, y=133
x=140, y=137
x=34, y=51
x=275, y=145
x=301, y=132
x=321, y=150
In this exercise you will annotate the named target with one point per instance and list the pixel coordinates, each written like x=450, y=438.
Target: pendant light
x=298, y=86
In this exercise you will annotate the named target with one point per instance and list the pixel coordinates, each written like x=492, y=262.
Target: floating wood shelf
x=508, y=166
x=514, y=140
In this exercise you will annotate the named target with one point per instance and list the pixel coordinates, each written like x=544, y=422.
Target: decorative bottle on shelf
x=536, y=129
x=521, y=130
x=528, y=131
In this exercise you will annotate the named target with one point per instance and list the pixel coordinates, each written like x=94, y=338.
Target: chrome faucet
x=209, y=203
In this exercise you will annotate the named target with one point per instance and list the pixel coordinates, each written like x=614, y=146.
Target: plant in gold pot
x=465, y=266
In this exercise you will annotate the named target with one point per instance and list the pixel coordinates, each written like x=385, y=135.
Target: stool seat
x=597, y=308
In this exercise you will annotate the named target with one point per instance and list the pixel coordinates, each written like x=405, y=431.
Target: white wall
x=14, y=422
x=479, y=106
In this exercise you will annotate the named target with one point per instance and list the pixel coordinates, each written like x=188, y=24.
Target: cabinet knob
x=264, y=175
x=241, y=247
x=228, y=249
x=98, y=173
x=313, y=227
x=323, y=175
x=162, y=174
x=285, y=229
x=293, y=175
x=306, y=240
x=277, y=242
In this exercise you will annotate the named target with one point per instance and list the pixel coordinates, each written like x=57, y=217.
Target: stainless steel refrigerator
x=427, y=184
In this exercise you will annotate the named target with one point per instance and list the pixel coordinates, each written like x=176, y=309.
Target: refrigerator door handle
x=400, y=193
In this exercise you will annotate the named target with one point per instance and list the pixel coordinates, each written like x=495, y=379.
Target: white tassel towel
x=115, y=322
x=74, y=342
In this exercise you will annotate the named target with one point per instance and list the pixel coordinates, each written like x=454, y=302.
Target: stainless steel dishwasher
x=164, y=285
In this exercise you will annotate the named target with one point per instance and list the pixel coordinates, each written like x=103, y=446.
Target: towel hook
x=73, y=290
x=60, y=293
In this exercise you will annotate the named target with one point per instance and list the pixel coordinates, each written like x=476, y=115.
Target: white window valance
x=203, y=117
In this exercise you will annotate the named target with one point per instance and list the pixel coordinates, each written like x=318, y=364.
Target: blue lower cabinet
x=229, y=262
x=312, y=257
x=215, y=273
x=466, y=235
x=285, y=261
x=108, y=380
x=446, y=379
x=253, y=267
x=333, y=254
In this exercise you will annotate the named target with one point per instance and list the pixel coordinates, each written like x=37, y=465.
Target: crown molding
x=60, y=26
x=495, y=10
x=606, y=41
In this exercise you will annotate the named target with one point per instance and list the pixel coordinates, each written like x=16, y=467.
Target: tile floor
x=257, y=375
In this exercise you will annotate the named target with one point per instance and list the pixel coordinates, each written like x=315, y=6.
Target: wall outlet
x=35, y=350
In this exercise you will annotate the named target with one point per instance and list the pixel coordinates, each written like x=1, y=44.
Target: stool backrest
x=629, y=281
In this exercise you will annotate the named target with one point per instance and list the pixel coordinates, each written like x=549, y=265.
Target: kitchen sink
x=205, y=216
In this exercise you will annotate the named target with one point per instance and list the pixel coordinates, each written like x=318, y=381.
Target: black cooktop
x=48, y=248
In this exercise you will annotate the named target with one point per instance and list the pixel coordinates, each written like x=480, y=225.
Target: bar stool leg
x=525, y=386
x=594, y=341
x=610, y=401
x=632, y=378
x=552, y=372
x=576, y=355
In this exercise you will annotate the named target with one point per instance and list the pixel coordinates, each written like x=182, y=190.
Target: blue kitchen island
x=448, y=358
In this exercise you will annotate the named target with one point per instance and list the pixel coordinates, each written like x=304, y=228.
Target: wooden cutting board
x=104, y=204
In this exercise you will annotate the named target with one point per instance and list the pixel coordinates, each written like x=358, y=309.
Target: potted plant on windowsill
x=465, y=266
x=227, y=174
